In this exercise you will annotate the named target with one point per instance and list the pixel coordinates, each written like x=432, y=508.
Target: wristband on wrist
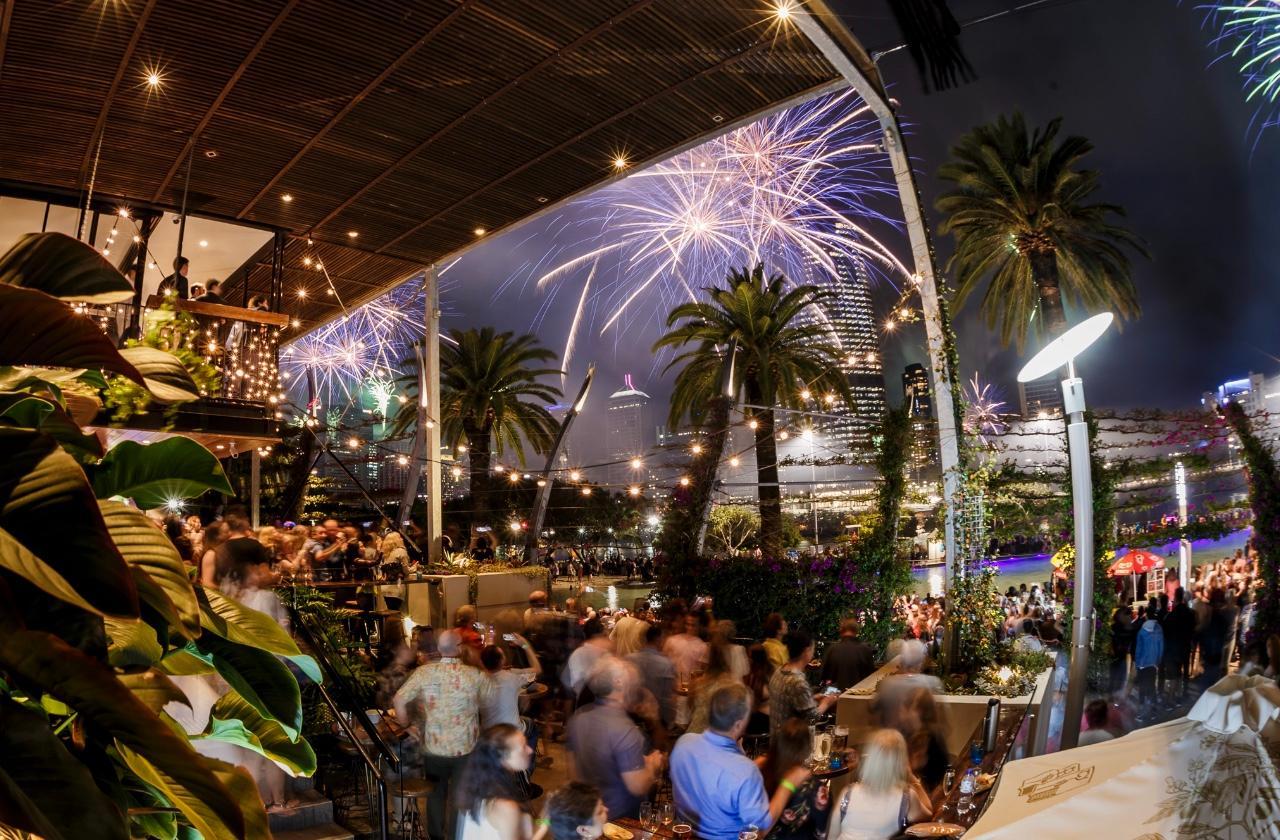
x=789, y=785
x=543, y=821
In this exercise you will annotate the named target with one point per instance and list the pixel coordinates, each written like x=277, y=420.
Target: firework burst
x=795, y=191
x=1249, y=34
x=982, y=410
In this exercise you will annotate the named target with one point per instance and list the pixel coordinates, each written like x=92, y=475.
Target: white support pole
x=435, y=511
x=255, y=487
x=1184, y=545
x=922, y=256
x=1082, y=596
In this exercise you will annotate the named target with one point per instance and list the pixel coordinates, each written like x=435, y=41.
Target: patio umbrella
x=1136, y=562
x=1064, y=555
x=1212, y=774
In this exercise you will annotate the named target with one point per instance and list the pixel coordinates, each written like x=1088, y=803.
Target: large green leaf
x=166, y=377
x=186, y=662
x=131, y=643
x=32, y=412
x=235, y=721
x=174, y=468
x=64, y=267
x=154, y=689
x=257, y=676
x=158, y=570
x=46, y=504
x=237, y=623
x=194, y=801
x=36, y=329
x=15, y=558
x=106, y=703
x=49, y=778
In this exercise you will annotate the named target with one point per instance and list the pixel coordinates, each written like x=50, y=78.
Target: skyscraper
x=1041, y=398
x=915, y=391
x=918, y=395
x=627, y=431
x=851, y=318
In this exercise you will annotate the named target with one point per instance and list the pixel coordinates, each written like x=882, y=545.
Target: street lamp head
x=1064, y=349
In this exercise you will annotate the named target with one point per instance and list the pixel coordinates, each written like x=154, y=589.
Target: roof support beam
x=6, y=16
x=826, y=31
x=373, y=85
x=110, y=98
x=488, y=100
x=222, y=96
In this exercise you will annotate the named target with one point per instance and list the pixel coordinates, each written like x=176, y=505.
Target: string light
x=634, y=490
x=515, y=477
x=575, y=476
x=586, y=491
x=684, y=481
x=733, y=462
x=696, y=449
x=753, y=424
x=805, y=395
x=636, y=463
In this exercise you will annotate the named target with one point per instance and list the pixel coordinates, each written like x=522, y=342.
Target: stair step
x=327, y=831
x=313, y=809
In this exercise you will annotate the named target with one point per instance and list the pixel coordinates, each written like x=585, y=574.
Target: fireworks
x=982, y=410
x=1249, y=31
x=363, y=348
x=794, y=190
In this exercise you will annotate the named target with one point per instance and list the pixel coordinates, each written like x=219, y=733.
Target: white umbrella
x=1210, y=775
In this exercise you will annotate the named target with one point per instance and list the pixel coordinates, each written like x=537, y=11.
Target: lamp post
x=1062, y=352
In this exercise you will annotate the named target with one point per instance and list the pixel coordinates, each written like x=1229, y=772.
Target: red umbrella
x=1137, y=562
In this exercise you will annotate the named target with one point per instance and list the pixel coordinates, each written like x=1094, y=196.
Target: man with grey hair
x=716, y=787
x=442, y=701
x=605, y=747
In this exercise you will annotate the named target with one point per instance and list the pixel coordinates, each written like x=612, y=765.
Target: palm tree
x=487, y=380
x=781, y=361
x=1020, y=215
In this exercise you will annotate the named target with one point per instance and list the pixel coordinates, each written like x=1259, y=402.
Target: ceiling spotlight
x=620, y=162
x=542, y=199
x=123, y=212
x=154, y=79
x=302, y=293
x=479, y=231
x=204, y=243
x=211, y=153
x=286, y=198
x=352, y=234
x=782, y=9
x=329, y=291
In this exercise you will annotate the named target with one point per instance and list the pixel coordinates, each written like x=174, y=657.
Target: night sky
x=1172, y=140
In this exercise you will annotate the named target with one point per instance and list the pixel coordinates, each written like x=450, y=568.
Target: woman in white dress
x=488, y=796
x=887, y=796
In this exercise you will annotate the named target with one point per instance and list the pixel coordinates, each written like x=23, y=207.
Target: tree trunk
x=1044, y=268
x=769, y=492
x=478, y=458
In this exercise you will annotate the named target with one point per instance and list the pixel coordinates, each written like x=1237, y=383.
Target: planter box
x=433, y=599
x=500, y=591
x=960, y=714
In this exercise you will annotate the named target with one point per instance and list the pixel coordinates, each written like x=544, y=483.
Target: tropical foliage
x=781, y=360
x=97, y=613
x=492, y=399
x=1264, y=498
x=730, y=528
x=817, y=592
x=1022, y=214
x=178, y=334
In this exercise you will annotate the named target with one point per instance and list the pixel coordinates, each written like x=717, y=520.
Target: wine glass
x=666, y=813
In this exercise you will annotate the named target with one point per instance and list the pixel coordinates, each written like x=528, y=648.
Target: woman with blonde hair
x=395, y=568
x=887, y=796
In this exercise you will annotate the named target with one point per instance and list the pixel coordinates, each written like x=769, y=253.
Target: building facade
x=627, y=430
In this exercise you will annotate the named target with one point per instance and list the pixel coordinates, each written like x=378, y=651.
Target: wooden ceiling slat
x=6, y=17
x=121, y=67
x=585, y=133
x=222, y=96
x=373, y=85
x=416, y=150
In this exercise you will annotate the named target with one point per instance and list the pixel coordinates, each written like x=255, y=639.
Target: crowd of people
x=656, y=707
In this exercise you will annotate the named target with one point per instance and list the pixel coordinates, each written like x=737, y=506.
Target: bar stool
x=361, y=783
x=406, y=795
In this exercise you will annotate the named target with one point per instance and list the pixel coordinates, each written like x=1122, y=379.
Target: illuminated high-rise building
x=851, y=318
x=627, y=431
x=915, y=391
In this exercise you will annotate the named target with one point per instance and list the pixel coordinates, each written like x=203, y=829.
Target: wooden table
x=633, y=825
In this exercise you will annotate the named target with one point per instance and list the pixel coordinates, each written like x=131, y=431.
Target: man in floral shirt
x=443, y=700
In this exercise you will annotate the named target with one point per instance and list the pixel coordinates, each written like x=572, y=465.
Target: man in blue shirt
x=717, y=788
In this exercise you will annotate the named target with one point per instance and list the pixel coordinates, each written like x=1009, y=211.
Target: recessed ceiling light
x=204, y=243
x=717, y=118
x=286, y=198
x=620, y=162
x=542, y=199
x=353, y=233
x=479, y=231
x=211, y=153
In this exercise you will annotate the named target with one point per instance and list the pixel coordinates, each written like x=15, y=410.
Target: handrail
x=384, y=821
x=336, y=679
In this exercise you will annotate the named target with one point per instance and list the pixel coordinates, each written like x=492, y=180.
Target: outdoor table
x=531, y=692
x=1010, y=722
x=829, y=773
